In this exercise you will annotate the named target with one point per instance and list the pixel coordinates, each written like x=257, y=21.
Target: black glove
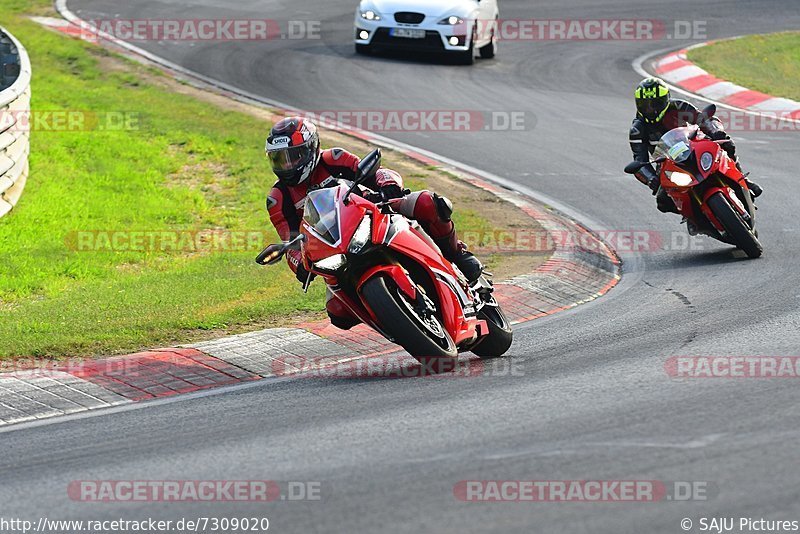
x=386, y=193
x=392, y=191
x=730, y=147
x=654, y=185
x=719, y=135
x=375, y=198
x=303, y=275
x=649, y=177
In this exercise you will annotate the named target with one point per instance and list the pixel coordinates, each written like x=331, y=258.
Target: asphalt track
x=591, y=399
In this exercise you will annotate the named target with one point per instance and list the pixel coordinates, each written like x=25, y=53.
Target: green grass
x=187, y=166
x=767, y=63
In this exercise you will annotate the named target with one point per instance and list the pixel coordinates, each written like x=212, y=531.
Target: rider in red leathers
x=293, y=148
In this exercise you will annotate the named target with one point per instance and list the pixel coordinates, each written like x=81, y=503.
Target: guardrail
x=15, y=105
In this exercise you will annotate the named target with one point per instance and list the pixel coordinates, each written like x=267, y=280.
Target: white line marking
x=777, y=105
x=721, y=90
x=683, y=73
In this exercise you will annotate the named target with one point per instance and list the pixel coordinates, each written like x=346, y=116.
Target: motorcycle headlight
x=362, y=236
x=452, y=20
x=331, y=263
x=706, y=161
x=681, y=179
x=370, y=15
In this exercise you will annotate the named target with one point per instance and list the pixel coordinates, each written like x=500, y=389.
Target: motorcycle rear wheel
x=437, y=352
x=500, y=336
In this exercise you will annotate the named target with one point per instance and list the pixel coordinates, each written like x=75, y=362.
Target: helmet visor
x=651, y=108
x=289, y=159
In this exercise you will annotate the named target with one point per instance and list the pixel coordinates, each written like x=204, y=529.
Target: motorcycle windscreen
x=675, y=145
x=321, y=214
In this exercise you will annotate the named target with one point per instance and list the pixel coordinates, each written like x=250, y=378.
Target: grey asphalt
x=590, y=398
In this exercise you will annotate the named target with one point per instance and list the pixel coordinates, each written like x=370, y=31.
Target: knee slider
x=444, y=208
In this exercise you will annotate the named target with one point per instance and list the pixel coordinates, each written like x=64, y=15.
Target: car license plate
x=407, y=33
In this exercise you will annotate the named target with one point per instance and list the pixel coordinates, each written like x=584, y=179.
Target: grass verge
x=185, y=161
x=767, y=63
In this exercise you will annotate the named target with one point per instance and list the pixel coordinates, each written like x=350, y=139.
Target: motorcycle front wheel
x=735, y=226
x=424, y=338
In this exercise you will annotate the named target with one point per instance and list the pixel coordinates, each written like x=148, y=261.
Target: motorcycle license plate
x=407, y=33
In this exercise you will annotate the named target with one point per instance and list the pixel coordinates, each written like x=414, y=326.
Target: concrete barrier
x=15, y=105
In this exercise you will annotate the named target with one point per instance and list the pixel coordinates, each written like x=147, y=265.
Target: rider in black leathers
x=656, y=114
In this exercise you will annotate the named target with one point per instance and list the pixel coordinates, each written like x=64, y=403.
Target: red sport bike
x=706, y=186
x=392, y=276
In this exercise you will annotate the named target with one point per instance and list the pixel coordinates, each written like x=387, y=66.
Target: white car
x=461, y=27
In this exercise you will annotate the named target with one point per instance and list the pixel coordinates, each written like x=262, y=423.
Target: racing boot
x=456, y=252
x=755, y=189
x=691, y=227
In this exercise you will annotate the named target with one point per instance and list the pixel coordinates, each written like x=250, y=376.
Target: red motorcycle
x=392, y=276
x=706, y=186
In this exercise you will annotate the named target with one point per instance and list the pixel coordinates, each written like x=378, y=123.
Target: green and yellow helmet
x=652, y=99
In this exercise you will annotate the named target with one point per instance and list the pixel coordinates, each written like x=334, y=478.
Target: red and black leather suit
x=285, y=204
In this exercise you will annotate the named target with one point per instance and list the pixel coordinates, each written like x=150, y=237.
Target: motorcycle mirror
x=366, y=168
x=369, y=165
x=633, y=167
x=271, y=255
x=710, y=110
